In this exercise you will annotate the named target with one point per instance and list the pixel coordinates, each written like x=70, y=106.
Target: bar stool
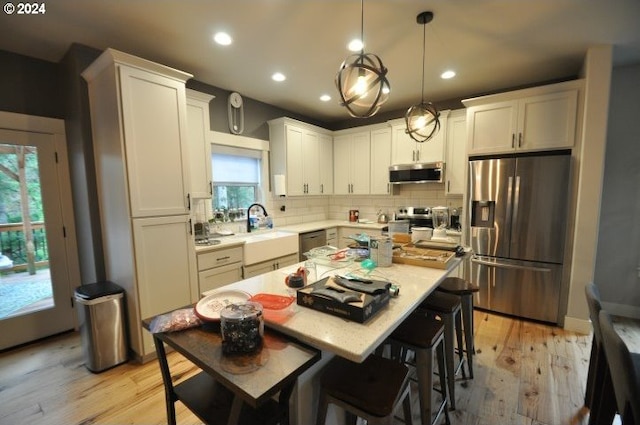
x=370, y=390
x=465, y=290
x=448, y=308
x=425, y=337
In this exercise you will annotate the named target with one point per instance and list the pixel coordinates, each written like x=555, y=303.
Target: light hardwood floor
x=525, y=374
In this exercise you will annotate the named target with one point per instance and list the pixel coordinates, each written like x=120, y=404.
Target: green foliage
x=10, y=211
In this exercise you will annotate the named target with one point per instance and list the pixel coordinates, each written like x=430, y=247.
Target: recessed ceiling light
x=222, y=38
x=325, y=98
x=278, y=76
x=355, y=45
x=448, y=74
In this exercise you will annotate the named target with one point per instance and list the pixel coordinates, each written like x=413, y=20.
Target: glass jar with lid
x=242, y=328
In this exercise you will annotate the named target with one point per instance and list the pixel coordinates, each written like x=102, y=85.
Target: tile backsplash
x=307, y=209
x=316, y=208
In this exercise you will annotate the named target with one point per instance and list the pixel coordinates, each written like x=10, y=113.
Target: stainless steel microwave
x=417, y=173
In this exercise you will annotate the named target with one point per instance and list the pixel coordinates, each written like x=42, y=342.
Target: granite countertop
x=351, y=340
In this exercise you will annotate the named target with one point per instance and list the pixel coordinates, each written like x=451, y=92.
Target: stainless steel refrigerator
x=518, y=215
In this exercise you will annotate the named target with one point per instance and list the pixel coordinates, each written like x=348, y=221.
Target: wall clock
x=236, y=113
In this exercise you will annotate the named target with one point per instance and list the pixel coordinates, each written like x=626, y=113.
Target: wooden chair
x=598, y=395
x=625, y=372
x=213, y=403
x=465, y=290
x=370, y=390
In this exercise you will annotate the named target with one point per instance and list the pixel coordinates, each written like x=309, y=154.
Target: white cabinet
x=456, y=161
x=164, y=255
x=380, y=161
x=405, y=150
x=198, y=132
x=153, y=122
x=219, y=267
x=298, y=150
x=326, y=163
x=332, y=236
x=270, y=265
x=138, y=120
x=351, y=163
x=542, y=118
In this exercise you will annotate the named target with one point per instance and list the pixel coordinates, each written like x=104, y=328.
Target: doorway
x=36, y=263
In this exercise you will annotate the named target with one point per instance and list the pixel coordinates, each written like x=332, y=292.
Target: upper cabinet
x=405, y=150
x=198, y=130
x=352, y=163
x=380, y=161
x=536, y=119
x=456, y=160
x=303, y=153
x=139, y=117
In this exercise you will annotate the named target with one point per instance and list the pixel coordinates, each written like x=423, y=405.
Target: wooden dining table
x=253, y=379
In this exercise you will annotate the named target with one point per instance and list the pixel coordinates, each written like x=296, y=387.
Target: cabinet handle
x=513, y=140
x=322, y=188
x=223, y=258
x=413, y=156
x=448, y=185
x=210, y=187
x=520, y=140
x=418, y=155
x=188, y=201
x=190, y=228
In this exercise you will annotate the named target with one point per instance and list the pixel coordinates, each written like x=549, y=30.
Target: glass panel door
x=35, y=296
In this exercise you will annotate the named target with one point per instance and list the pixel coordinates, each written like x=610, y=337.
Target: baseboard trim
x=577, y=325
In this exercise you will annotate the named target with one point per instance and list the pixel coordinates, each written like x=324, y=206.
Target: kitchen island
x=337, y=336
x=348, y=339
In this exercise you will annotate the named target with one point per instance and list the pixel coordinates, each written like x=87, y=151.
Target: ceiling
x=492, y=45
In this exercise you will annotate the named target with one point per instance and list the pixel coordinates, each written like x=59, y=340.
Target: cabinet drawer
x=219, y=276
x=219, y=258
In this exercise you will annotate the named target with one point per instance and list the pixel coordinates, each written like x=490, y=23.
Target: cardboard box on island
x=360, y=311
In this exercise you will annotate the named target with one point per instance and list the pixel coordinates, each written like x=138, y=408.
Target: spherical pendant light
x=422, y=120
x=362, y=82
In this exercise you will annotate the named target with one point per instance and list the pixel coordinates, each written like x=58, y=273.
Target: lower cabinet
x=164, y=273
x=270, y=265
x=332, y=236
x=218, y=268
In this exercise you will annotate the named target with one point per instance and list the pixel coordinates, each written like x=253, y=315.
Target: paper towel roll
x=279, y=185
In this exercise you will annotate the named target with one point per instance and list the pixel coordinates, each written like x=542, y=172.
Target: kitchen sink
x=269, y=245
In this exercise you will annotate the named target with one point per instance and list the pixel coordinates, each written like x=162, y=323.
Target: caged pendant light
x=362, y=80
x=422, y=120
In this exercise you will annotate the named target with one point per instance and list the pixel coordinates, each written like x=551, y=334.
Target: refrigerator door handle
x=510, y=266
x=516, y=200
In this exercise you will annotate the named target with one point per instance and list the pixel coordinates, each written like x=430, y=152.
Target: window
x=236, y=178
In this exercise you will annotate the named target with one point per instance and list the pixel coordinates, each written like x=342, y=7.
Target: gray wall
x=29, y=86
x=618, y=256
x=81, y=162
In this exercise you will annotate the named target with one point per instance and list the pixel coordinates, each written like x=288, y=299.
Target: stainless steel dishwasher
x=311, y=240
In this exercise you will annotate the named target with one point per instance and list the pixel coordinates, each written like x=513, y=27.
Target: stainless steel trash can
x=101, y=315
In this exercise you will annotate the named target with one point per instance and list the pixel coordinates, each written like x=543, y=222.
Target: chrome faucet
x=249, y=215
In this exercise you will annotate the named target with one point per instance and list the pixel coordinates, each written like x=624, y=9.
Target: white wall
x=617, y=271
x=591, y=149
